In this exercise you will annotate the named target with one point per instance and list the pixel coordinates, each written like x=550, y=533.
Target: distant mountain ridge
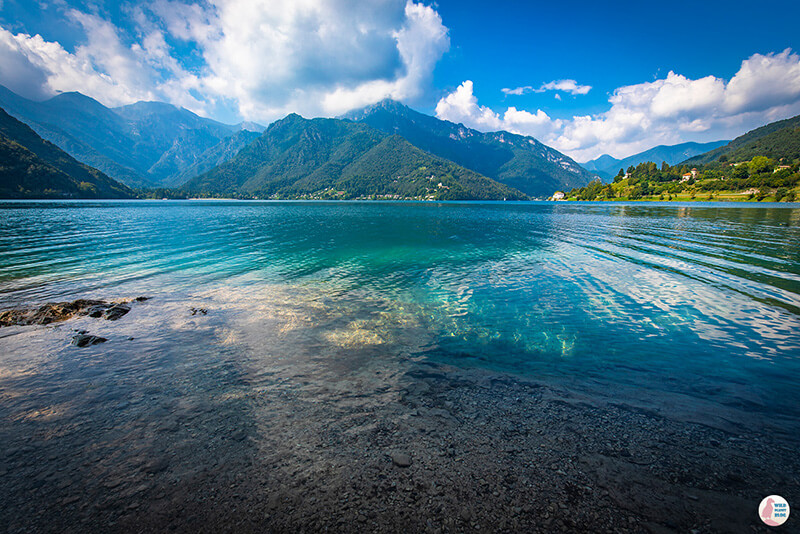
x=332, y=158
x=216, y=155
x=143, y=144
x=776, y=140
x=31, y=167
x=517, y=161
x=608, y=166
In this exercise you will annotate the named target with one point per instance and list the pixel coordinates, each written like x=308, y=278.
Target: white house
x=559, y=195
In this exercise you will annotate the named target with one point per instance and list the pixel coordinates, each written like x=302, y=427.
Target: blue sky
x=585, y=77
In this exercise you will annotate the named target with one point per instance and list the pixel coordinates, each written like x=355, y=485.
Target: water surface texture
x=542, y=367
x=699, y=301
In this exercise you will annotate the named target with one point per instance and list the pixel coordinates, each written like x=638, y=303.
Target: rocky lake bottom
x=183, y=421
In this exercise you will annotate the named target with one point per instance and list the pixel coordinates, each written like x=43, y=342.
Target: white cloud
x=315, y=57
x=260, y=59
x=462, y=106
x=27, y=60
x=102, y=67
x=666, y=111
x=764, y=82
x=19, y=70
x=517, y=91
x=566, y=86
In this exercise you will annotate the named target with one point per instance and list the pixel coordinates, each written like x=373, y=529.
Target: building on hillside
x=558, y=195
x=694, y=173
x=781, y=167
x=686, y=177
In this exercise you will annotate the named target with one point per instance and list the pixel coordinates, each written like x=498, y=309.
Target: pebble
x=401, y=459
x=156, y=466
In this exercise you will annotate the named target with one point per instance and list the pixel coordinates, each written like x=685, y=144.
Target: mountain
x=607, y=166
x=517, y=161
x=31, y=167
x=602, y=164
x=143, y=144
x=777, y=140
x=216, y=155
x=331, y=158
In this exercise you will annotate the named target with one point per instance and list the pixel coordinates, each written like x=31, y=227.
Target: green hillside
x=330, y=158
x=31, y=167
x=763, y=164
x=517, y=161
x=777, y=140
x=757, y=180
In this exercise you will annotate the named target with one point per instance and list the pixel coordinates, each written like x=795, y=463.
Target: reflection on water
x=701, y=301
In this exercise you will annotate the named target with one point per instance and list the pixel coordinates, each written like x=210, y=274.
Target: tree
x=761, y=164
x=723, y=158
x=741, y=172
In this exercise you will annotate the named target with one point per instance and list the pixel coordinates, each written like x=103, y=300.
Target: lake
x=323, y=321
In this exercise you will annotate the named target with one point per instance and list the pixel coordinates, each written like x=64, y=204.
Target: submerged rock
x=86, y=340
x=49, y=313
x=116, y=311
x=54, y=312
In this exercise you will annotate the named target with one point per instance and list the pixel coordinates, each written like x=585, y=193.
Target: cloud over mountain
x=258, y=59
x=665, y=111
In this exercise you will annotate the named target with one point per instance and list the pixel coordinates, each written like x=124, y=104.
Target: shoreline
x=743, y=202
x=146, y=436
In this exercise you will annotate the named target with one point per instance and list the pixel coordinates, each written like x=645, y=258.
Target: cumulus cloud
x=260, y=59
x=38, y=68
x=462, y=106
x=18, y=64
x=670, y=110
x=103, y=67
x=566, y=86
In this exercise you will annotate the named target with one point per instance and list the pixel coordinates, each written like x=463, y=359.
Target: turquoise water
x=653, y=304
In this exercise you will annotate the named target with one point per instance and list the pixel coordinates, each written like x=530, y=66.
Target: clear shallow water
x=696, y=307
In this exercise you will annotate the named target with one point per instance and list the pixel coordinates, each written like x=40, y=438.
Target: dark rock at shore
x=50, y=313
x=54, y=312
x=86, y=340
x=116, y=311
